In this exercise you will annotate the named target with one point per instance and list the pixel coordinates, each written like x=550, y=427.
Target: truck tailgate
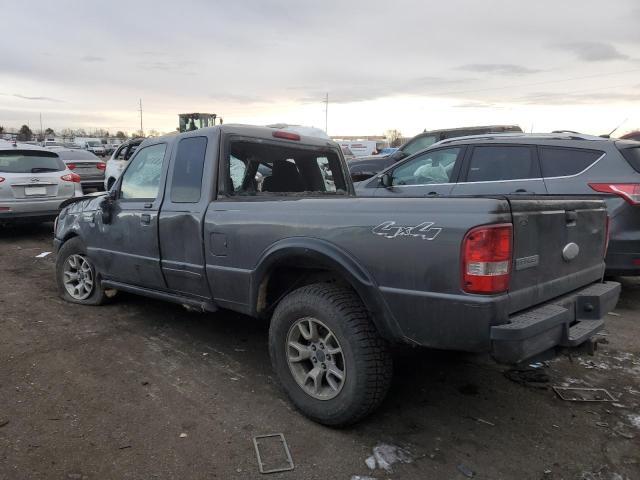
x=559, y=245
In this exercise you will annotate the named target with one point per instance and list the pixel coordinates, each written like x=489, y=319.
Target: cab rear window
x=30, y=161
x=632, y=155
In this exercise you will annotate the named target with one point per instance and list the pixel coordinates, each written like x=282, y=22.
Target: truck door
x=181, y=217
x=129, y=248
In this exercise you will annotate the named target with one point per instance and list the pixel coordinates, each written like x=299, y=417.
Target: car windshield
x=94, y=144
x=77, y=155
x=418, y=144
x=29, y=161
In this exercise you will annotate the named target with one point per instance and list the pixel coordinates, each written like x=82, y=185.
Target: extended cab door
x=182, y=214
x=500, y=169
x=431, y=173
x=129, y=249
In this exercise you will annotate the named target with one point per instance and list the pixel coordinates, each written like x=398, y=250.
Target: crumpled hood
x=82, y=204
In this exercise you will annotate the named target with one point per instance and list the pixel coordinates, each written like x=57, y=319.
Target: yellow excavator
x=194, y=121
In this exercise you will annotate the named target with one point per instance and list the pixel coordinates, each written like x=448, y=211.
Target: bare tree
x=394, y=137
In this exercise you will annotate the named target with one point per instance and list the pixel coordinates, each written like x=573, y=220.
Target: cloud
x=46, y=99
x=92, y=58
x=359, y=89
x=474, y=104
x=592, y=51
x=552, y=98
x=498, y=68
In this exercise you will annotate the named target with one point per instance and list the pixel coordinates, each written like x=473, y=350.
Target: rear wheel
x=77, y=279
x=328, y=355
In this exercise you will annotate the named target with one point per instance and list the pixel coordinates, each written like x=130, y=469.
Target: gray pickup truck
x=265, y=222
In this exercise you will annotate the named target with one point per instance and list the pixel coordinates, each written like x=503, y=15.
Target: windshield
x=94, y=144
x=418, y=144
x=26, y=161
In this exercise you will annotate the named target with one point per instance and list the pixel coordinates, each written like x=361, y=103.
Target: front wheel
x=77, y=278
x=327, y=354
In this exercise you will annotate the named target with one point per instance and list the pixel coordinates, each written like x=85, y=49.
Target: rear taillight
x=629, y=191
x=71, y=166
x=1, y=179
x=71, y=177
x=486, y=259
x=101, y=166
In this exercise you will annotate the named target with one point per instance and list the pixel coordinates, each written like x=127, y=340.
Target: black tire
x=74, y=246
x=367, y=360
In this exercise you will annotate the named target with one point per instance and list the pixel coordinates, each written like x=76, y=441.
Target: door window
x=490, y=163
x=141, y=181
x=186, y=184
x=560, y=162
x=426, y=169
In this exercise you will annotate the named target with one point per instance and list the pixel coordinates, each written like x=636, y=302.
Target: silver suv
x=558, y=164
x=33, y=183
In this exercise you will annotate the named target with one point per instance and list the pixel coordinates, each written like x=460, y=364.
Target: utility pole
x=41, y=132
x=141, y=130
x=326, y=113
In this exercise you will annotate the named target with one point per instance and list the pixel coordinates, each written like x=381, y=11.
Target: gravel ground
x=141, y=389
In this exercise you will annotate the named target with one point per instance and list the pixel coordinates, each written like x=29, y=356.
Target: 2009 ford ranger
x=265, y=222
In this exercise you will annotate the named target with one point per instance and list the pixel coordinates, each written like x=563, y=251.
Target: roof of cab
x=254, y=131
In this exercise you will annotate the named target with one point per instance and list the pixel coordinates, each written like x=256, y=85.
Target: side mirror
x=386, y=180
x=106, y=206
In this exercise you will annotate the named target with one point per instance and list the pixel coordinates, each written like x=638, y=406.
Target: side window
x=500, y=162
x=428, y=168
x=121, y=153
x=258, y=168
x=186, y=183
x=560, y=162
x=130, y=151
x=141, y=180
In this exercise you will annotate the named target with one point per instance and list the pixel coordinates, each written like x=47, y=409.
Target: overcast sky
x=410, y=65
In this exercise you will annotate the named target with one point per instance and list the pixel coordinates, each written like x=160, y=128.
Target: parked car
x=387, y=151
x=119, y=160
x=92, y=144
x=531, y=164
x=90, y=168
x=33, y=183
x=186, y=222
x=631, y=136
x=366, y=167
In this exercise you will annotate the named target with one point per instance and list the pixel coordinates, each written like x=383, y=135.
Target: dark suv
x=365, y=167
x=559, y=164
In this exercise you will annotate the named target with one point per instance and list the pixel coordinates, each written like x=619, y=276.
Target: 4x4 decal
x=389, y=229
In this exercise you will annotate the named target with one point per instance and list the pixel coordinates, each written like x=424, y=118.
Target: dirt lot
x=142, y=389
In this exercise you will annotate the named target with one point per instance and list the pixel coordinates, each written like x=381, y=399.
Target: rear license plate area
x=29, y=191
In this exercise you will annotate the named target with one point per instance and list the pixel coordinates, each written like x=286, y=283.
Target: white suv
x=119, y=160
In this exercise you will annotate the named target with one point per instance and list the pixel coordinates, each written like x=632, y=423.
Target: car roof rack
x=532, y=136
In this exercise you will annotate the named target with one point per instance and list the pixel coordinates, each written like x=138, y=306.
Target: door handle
x=521, y=190
x=432, y=194
x=145, y=219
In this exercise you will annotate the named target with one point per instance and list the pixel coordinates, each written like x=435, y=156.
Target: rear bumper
x=567, y=321
x=30, y=209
